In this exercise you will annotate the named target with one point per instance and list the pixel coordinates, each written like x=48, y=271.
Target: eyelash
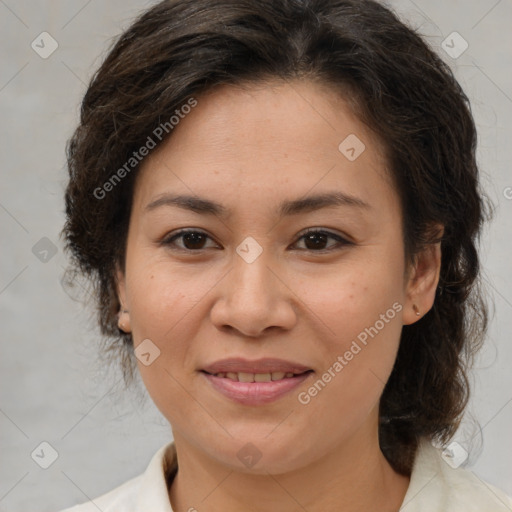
x=169, y=240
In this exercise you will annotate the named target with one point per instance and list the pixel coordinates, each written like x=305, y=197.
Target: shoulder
x=438, y=485
x=146, y=491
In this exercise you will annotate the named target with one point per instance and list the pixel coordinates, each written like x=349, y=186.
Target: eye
x=193, y=240
x=314, y=240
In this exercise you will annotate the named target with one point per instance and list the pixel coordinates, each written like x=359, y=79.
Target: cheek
x=357, y=365
x=352, y=298
x=161, y=310
x=160, y=307
x=160, y=297
x=358, y=309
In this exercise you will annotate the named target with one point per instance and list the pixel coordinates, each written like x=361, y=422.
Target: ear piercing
x=416, y=310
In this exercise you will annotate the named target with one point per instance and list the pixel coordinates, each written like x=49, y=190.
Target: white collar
x=153, y=492
x=434, y=485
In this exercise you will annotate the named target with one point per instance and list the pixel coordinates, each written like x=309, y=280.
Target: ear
x=423, y=280
x=121, y=286
x=124, y=311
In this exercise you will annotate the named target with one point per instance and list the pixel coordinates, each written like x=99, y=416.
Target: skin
x=250, y=149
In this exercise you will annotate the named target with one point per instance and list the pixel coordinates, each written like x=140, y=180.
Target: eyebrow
x=289, y=207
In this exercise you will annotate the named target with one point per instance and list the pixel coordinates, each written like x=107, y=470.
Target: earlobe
x=123, y=321
x=422, y=284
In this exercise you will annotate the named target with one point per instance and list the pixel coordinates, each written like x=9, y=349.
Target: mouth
x=256, y=377
x=255, y=382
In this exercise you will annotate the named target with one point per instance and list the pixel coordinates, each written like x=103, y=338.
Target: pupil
x=192, y=239
x=315, y=236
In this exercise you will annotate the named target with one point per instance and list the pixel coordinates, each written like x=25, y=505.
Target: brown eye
x=192, y=240
x=316, y=241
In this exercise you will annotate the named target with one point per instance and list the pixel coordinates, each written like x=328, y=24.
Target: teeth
x=262, y=377
x=254, y=377
x=245, y=377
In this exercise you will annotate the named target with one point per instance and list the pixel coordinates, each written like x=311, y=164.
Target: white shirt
x=434, y=487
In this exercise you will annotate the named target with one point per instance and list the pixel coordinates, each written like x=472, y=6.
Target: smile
x=234, y=379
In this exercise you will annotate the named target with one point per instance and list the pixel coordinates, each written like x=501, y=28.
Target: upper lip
x=264, y=365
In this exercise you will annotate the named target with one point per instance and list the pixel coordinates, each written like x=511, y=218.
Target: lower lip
x=255, y=393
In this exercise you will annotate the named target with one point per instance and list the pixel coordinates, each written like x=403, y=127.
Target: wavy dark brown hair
x=396, y=84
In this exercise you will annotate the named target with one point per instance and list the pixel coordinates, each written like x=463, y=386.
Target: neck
x=354, y=476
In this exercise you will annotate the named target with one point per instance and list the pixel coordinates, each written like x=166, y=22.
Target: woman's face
x=248, y=296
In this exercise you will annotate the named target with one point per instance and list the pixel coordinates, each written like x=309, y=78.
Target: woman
x=279, y=204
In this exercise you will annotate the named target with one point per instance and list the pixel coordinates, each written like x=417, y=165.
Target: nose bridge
x=254, y=284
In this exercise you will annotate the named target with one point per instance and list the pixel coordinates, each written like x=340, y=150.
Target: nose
x=254, y=298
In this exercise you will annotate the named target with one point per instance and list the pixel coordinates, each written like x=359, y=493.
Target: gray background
x=53, y=387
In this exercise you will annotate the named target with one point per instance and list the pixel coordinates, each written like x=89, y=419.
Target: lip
x=255, y=393
x=264, y=365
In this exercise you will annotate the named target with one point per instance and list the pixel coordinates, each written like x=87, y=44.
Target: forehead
x=292, y=119
x=266, y=142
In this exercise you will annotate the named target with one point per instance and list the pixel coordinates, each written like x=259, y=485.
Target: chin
x=261, y=456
